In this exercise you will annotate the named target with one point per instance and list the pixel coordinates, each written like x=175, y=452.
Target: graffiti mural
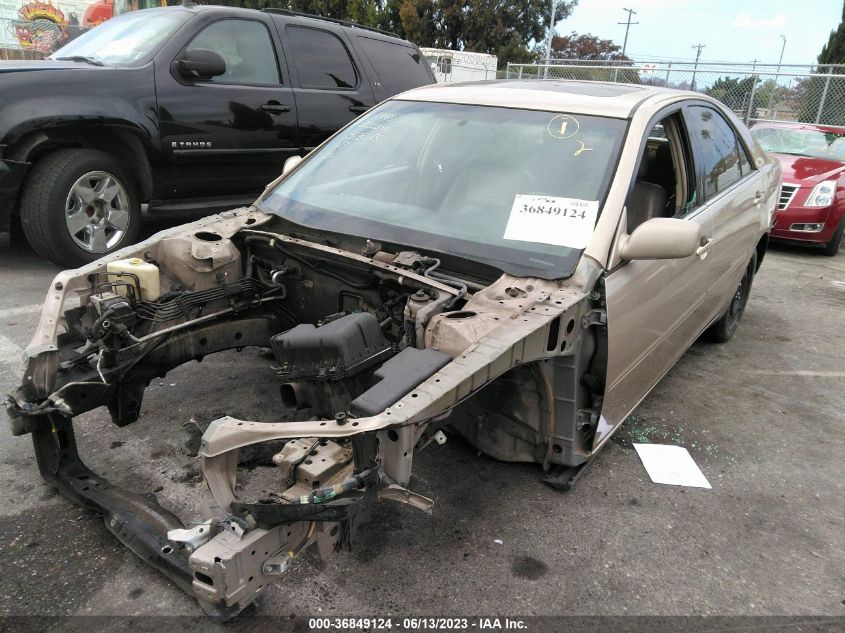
x=45, y=25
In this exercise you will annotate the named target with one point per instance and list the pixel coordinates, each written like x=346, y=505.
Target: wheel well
x=762, y=246
x=123, y=145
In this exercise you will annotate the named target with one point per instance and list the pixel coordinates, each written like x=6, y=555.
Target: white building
x=454, y=66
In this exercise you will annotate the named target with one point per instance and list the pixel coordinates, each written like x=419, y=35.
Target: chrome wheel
x=97, y=212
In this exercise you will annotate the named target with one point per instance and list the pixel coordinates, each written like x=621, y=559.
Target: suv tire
x=79, y=205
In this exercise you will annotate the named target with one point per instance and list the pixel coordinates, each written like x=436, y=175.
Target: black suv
x=179, y=107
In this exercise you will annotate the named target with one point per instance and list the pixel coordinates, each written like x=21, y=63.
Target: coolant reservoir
x=147, y=275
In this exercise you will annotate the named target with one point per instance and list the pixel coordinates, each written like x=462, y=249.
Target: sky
x=732, y=30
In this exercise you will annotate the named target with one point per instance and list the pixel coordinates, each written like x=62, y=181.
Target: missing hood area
x=375, y=353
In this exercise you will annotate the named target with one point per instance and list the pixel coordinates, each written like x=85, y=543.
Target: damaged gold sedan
x=518, y=262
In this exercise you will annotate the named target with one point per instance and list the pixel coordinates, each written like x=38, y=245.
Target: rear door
x=230, y=134
x=733, y=189
x=329, y=83
x=657, y=308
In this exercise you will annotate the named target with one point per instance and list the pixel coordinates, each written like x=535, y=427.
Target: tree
x=834, y=51
x=504, y=29
x=589, y=47
x=734, y=93
x=831, y=111
x=585, y=46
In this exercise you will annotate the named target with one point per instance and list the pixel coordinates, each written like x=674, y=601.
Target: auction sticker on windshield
x=552, y=220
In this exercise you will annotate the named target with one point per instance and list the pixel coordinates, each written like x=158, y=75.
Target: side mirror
x=290, y=164
x=201, y=64
x=662, y=238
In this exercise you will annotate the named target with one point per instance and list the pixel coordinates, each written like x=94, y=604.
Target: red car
x=811, y=208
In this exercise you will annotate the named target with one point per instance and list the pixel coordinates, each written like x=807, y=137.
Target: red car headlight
x=822, y=194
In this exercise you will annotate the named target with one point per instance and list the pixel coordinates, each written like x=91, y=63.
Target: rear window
x=398, y=67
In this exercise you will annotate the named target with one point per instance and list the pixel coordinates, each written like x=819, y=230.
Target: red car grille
x=787, y=193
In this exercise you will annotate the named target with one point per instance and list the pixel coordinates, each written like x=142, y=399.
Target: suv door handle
x=758, y=197
x=360, y=108
x=275, y=106
x=702, y=250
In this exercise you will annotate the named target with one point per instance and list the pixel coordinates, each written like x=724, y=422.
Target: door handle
x=275, y=107
x=703, y=249
x=758, y=198
x=359, y=108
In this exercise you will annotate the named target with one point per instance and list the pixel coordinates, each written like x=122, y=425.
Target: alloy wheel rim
x=97, y=212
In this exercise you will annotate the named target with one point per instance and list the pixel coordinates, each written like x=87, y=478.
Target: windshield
x=520, y=189
x=812, y=143
x=125, y=40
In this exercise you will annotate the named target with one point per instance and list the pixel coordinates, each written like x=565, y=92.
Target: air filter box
x=335, y=350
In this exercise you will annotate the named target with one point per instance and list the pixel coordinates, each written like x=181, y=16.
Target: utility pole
x=782, y=48
x=628, y=25
x=549, y=41
x=695, y=67
x=777, y=79
x=753, y=90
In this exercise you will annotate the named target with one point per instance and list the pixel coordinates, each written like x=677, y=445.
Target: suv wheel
x=78, y=205
x=723, y=329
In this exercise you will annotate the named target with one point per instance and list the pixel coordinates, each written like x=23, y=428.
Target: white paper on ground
x=673, y=465
x=552, y=220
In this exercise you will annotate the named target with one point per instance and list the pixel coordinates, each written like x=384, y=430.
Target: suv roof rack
x=356, y=25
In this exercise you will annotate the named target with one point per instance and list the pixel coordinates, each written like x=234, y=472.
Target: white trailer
x=454, y=66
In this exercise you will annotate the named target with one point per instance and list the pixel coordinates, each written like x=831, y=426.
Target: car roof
x=582, y=97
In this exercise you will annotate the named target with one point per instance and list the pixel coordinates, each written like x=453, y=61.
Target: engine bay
x=376, y=350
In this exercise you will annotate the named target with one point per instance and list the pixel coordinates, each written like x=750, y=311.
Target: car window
x=801, y=141
x=719, y=152
x=745, y=165
x=659, y=190
x=521, y=188
x=398, y=67
x=126, y=40
x=245, y=46
x=321, y=59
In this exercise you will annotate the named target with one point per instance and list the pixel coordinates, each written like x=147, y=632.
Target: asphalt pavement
x=763, y=416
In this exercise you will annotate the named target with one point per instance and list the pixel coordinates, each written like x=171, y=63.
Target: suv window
x=321, y=59
x=720, y=152
x=398, y=67
x=246, y=47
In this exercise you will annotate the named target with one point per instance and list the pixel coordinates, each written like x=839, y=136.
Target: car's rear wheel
x=723, y=329
x=832, y=247
x=78, y=205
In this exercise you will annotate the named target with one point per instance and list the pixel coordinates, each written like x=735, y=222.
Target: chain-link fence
x=808, y=94
x=33, y=39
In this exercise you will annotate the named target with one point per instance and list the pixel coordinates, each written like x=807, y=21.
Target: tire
x=832, y=247
x=723, y=329
x=80, y=189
